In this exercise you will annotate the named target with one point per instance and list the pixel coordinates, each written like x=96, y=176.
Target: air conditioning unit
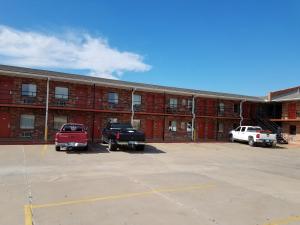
x=28, y=100
x=27, y=134
x=60, y=103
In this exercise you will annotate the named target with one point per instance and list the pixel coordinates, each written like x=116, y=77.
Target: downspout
x=94, y=107
x=132, y=105
x=193, y=119
x=46, y=116
x=241, y=112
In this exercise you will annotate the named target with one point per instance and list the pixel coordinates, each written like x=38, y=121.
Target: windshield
x=121, y=126
x=72, y=128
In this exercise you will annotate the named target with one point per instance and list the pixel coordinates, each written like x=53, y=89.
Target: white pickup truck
x=253, y=135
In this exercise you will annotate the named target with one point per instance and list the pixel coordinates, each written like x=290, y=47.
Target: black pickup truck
x=118, y=135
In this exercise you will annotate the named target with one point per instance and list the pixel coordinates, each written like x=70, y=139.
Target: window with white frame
x=236, y=108
x=112, y=120
x=183, y=102
x=27, y=121
x=62, y=93
x=58, y=121
x=221, y=108
x=190, y=104
x=113, y=98
x=137, y=100
x=189, y=127
x=173, y=103
x=221, y=127
x=29, y=90
x=136, y=124
x=172, y=125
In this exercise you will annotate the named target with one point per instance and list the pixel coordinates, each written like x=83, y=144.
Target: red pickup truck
x=71, y=135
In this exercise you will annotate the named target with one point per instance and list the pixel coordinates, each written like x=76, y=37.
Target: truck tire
x=57, y=148
x=231, y=139
x=112, y=146
x=251, y=142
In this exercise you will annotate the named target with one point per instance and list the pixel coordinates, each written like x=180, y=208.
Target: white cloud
x=70, y=51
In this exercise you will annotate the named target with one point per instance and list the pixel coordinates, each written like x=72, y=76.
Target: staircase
x=267, y=124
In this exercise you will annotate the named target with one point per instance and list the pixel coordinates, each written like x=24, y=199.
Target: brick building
x=164, y=113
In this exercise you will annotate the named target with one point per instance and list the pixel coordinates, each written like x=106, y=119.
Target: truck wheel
x=231, y=139
x=57, y=148
x=112, y=146
x=251, y=142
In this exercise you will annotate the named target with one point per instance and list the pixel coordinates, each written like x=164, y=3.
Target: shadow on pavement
x=94, y=148
x=149, y=149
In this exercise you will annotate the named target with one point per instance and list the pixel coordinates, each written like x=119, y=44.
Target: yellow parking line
x=285, y=221
x=124, y=196
x=28, y=215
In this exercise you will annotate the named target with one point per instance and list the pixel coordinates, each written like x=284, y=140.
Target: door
x=150, y=103
x=201, y=107
x=292, y=110
x=5, y=91
x=201, y=129
x=243, y=135
x=149, y=129
x=211, y=130
x=159, y=129
x=98, y=128
x=5, y=125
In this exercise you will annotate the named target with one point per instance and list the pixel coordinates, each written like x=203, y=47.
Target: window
x=173, y=103
x=238, y=129
x=136, y=124
x=59, y=121
x=183, y=102
x=189, y=127
x=293, y=130
x=113, y=98
x=236, y=108
x=243, y=129
x=172, y=126
x=220, y=127
x=27, y=121
x=112, y=120
x=137, y=100
x=62, y=93
x=29, y=90
x=221, y=108
x=190, y=104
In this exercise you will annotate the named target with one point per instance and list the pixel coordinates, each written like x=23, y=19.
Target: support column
x=193, y=119
x=46, y=115
x=132, y=105
x=241, y=112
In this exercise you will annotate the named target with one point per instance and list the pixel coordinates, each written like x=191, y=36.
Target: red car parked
x=71, y=135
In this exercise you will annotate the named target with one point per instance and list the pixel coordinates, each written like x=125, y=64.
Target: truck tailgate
x=131, y=136
x=67, y=137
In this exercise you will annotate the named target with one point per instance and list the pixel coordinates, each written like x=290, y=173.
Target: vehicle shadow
x=149, y=149
x=94, y=148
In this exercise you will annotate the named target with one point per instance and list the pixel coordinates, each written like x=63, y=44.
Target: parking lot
x=207, y=184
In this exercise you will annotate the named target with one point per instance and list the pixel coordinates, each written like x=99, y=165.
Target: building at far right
x=288, y=116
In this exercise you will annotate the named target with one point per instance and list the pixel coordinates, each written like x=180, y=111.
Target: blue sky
x=246, y=47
